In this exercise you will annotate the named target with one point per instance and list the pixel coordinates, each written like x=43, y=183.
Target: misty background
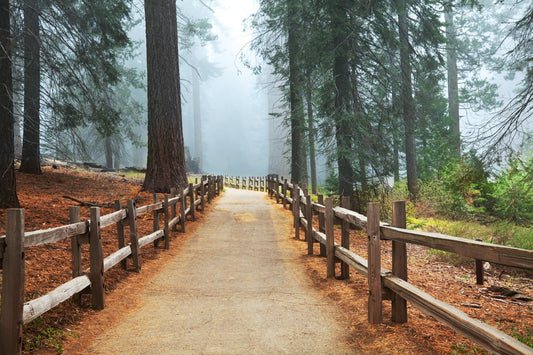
x=227, y=108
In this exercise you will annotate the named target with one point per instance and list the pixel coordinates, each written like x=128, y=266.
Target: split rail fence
x=15, y=312
x=246, y=183
x=392, y=285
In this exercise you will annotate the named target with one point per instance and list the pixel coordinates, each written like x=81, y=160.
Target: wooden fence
x=15, y=312
x=393, y=285
x=246, y=183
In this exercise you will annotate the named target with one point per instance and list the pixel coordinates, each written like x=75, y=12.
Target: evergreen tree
x=166, y=153
x=31, y=155
x=8, y=188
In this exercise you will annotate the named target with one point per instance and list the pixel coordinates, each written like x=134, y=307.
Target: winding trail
x=235, y=288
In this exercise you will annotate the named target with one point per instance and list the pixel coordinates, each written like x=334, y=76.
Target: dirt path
x=234, y=288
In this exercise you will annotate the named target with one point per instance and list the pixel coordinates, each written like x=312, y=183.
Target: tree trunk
x=116, y=162
x=279, y=149
x=8, y=189
x=17, y=131
x=311, y=128
x=406, y=95
x=108, y=153
x=166, y=155
x=453, y=87
x=298, y=159
x=343, y=105
x=31, y=157
x=197, y=120
x=396, y=151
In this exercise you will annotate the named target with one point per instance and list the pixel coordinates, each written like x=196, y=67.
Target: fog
x=233, y=105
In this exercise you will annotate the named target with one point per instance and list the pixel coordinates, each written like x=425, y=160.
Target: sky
x=234, y=108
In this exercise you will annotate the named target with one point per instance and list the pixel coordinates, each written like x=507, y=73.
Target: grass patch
x=461, y=348
x=44, y=337
x=503, y=233
x=132, y=174
x=525, y=337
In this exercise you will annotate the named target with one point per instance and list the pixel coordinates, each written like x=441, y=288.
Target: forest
x=424, y=100
x=427, y=101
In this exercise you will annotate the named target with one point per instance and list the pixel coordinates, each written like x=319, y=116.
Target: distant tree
x=166, y=154
x=31, y=155
x=519, y=110
x=294, y=36
x=8, y=189
x=409, y=113
x=344, y=103
x=453, y=85
x=311, y=133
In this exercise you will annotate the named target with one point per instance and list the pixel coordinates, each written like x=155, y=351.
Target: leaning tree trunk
x=8, y=190
x=166, y=155
x=31, y=157
x=407, y=101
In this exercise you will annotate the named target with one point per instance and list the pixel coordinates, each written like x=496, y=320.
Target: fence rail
x=246, y=183
x=393, y=284
x=14, y=312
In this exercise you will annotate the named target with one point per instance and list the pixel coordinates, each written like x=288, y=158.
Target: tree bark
x=31, y=156
x=343, y=104
x=453, y=86
x=311, y=129
x=166, y=155
x=409, y=115
x=108, y=153
x=298, y=158
x=8, y=190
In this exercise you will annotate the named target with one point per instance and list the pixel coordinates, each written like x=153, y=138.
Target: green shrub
x=513, y=192
x=331, y=185
x=460, y=190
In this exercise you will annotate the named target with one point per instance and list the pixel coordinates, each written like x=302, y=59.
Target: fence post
x=479, y=269
x=191, y=197
x=202, y=197
x=309, y=232
x=330, y=238
x=120, y=235
x=284, y=189
x=374, y=264
x=399, y=262
x=134, y=241
x=173, y=193
x=74, y=214
x=208, y=189
x=345, y=237
x=321, y=226
x=13, y=284
x=296, y=211
x=96, y=257
x=166, y=228
x=155, y=218
x=183, y=207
